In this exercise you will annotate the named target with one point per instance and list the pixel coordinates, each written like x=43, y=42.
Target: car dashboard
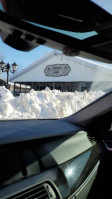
x=38, y=159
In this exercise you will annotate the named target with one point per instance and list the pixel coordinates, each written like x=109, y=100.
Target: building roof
x=34, y=64
x=89, y=64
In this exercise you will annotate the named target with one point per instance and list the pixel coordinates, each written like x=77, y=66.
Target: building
x=2, y=82
x=58, y=71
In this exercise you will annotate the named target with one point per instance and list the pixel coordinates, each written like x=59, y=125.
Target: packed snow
x=43, y=104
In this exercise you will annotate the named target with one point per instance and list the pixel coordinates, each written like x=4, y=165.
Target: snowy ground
x=43, y=104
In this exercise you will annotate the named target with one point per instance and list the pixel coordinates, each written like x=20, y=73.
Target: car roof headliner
x=82, y=17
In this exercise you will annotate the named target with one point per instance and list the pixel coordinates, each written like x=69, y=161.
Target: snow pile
x=43, y=104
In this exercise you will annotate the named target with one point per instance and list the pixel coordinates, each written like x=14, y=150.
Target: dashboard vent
x=41, y=191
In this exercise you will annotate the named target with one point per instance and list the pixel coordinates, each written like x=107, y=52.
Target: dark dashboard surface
x=46, y=151
x=23, y=130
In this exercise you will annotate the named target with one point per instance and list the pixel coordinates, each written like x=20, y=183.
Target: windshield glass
x=47, y=84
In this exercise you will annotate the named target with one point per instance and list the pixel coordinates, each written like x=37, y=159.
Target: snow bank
x=43, y=104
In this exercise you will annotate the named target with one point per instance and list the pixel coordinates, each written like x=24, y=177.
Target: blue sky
x=9, y=54
x=105, y=4
x=23, y=59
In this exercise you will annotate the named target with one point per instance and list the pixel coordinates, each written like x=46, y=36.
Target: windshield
x=48, y=84
x=44, y=83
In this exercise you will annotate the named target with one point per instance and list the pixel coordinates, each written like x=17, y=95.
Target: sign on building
x=57, y=70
